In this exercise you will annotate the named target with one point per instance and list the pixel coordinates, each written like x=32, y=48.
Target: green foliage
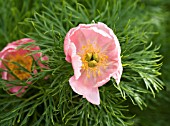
x=52, y=101
x=156, y=114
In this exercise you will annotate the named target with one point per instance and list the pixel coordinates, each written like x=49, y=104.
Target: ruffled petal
x=76, y=63
x=67, y=43
x=94, y=36
x=70, y=52
x=78, y=39
x=21, y=42
x=117, y=74
x=75, y=59
x=89, y=92
x=105, y=28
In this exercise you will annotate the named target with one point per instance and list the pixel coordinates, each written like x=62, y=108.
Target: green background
x=12, y=27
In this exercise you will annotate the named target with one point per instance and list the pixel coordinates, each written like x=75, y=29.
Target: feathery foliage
x=52, y=101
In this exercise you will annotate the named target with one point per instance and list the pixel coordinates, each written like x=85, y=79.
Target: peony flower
x=17, y=59
x=94, y=51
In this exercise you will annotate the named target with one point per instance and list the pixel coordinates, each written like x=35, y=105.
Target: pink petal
x=78, y=39
x=67, y=42
x=75, y=59
x=93, y=96
x=92, y=35
x=70, y=52
x=76, y=63
x=105, y=75
x=45, y=58
x=105, y=28
x=5, y=51
x=5, y=75
x=117, y=74
x=16, y=89
x=88, y=92
x=21, y=42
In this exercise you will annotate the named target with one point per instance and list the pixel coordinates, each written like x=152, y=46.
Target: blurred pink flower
x=16, y=59
x=94, y=51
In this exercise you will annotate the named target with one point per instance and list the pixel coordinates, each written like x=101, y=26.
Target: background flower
x=17, y=63
x=94, y=52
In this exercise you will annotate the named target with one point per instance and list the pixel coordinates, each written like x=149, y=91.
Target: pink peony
x=12, y=56
x=94, y=51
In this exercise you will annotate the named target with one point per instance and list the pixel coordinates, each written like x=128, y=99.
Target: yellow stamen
x=93, y=59
x=96, y=57
x=18, y=63
x=88, y=56
x=92, y=63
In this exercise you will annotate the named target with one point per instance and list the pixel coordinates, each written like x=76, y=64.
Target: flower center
x=20, y=65
x=93, y=59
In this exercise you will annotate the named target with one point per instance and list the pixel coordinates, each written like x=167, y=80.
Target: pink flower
x=16, y=59
x=94, y=51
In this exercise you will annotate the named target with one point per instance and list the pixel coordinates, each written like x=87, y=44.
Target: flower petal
x=117, y=74
x=78, y=39
x=88, y=92
x=92, y=35
x=75, y=59
x=67, y=43
x=76, y=63
x=71, y=51
x=93, y=96
x=105, y=28
x=16, y=89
